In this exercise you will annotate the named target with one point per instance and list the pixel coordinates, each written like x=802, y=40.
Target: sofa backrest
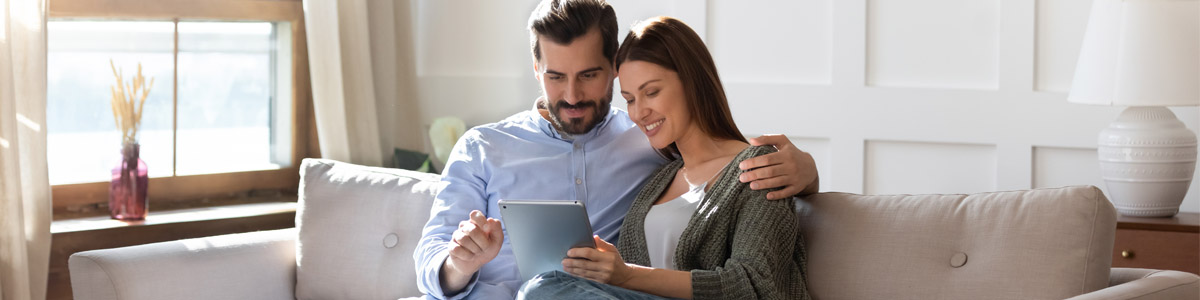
x=1036, y=244
x=358, y=228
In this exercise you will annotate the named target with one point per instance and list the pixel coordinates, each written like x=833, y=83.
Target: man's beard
x=577, y=126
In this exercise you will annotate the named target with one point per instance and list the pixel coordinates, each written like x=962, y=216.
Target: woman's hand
x=603, y=264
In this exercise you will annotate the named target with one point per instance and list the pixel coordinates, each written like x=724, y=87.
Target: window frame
x=88, y=199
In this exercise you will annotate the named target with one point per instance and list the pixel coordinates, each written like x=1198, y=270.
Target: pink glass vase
x=127, y=193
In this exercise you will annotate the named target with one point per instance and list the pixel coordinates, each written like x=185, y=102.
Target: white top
x=665, y=222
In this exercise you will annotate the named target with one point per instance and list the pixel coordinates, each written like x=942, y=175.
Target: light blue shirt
x=524, y=157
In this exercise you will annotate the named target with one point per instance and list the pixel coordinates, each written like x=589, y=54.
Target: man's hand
x=476, y=242
x=603, y=264
x=790, y=168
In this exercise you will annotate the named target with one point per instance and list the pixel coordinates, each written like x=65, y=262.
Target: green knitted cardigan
x=737, y=245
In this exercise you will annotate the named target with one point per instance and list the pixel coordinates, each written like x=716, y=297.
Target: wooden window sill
x=216, y=213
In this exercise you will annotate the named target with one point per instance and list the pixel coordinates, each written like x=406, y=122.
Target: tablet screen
x=541, y=232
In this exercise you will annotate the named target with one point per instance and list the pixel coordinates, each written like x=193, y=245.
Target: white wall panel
x=979, y=119
x=472, y=59
x=632, y=11
x=924, y=168
x=1055, y=167
x=473, y=38
x=1060, y=27
x=487, y=100
x=819, y=149
x=772, y=42
x=933, y=43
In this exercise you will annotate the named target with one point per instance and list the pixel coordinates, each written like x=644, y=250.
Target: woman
x=694, y=231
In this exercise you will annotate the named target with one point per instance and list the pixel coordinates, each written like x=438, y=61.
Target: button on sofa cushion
x=358, y=228
x=1036, y=244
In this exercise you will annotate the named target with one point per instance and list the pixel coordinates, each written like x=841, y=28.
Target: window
x=228, y=118
x=82, y=141
x=227, y=114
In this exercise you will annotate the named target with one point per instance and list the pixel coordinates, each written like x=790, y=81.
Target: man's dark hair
x=561, y=21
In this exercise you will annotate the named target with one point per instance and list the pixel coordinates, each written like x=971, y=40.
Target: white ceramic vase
x=1147, y=159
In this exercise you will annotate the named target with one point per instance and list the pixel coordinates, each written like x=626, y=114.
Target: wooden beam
x=292, y=10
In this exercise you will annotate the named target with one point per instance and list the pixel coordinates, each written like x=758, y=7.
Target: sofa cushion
x=1036, y=244
x=358, y=228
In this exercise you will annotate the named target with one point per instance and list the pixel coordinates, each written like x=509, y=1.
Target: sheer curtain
x=343, y=87
x=24, y=185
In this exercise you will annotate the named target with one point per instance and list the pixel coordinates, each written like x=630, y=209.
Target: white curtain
x=24, y=185
x=343, y=87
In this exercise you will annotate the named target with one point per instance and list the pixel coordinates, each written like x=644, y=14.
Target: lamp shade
x=1140, y=53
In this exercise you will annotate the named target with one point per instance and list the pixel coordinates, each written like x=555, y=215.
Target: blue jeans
x=560, y=285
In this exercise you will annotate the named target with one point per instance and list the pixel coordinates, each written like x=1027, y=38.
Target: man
x=572, y=145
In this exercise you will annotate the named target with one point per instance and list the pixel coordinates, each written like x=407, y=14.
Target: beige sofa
x=357, y=227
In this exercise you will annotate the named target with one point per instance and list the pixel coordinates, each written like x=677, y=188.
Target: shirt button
x=578, y=181
x=578, y=146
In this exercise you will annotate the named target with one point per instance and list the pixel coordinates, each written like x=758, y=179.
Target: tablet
x=541, y=232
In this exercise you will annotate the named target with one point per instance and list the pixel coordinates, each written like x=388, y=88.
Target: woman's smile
x=651, y=129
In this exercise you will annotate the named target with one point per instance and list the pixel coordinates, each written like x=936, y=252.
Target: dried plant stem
x=128, y=99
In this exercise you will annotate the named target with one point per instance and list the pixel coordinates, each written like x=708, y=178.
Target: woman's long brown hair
x=671, y=44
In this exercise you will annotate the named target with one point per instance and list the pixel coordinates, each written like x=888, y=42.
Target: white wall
x=917, y=96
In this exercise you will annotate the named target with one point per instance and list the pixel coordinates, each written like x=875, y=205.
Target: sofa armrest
x=1146, y=284
x=257, y=265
